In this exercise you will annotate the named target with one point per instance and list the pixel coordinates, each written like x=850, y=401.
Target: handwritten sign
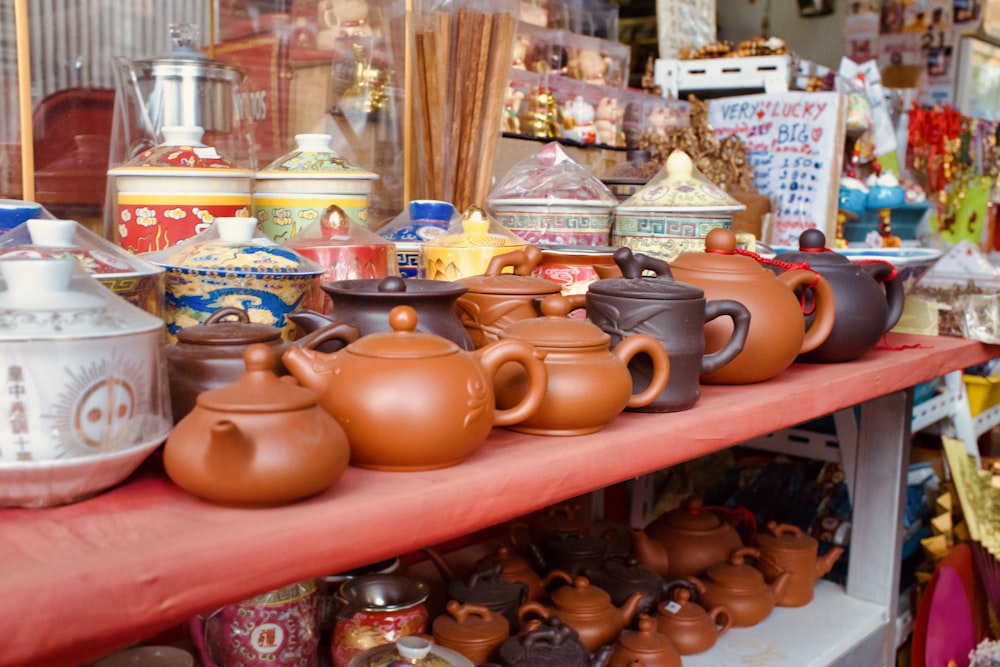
x=795, y=147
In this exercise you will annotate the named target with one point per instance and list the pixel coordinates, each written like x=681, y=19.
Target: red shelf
x=85, y=579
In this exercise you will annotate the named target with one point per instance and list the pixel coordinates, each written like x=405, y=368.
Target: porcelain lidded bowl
x=85, y=384
x=674, y=212
x=293, y=191
x=468, y=247
x=422, y=220
x=548, y=198
x=137, y=281
x=233, y=264
x=175, y=190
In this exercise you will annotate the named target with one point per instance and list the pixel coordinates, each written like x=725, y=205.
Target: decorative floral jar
x=175, y=190
x=674, y=212
x=85, y=393
x=233, y=264
x=295, y=189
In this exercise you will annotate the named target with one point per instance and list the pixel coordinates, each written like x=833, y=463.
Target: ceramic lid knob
x=52, y=233
x=315, y=143
x=182, y=135
x=236, y=230
x=721, y=241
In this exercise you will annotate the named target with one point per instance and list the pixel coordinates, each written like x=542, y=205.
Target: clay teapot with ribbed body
x=685, y=540
x=778, y=330
x=869, y=299
x=411, y=400
x=785, y=548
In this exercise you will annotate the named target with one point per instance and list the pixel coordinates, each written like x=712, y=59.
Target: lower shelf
x=832, y=629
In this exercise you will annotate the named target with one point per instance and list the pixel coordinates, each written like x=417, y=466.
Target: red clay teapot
x=644, y=647
x=690, y=627
x=472, y=630
x=258, y=441
x=410, y=400
x=785, y=548
x=585, y=608
x=685, y=540
x=869, y=299
x=740, y=587
x=777, y=333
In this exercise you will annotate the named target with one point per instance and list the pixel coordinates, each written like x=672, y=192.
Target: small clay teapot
x=685, y=540
x=513, y=567
x=367, y=302
x=778, y=332
x=645, y=647
x=869, y=299
x=621, y=576
x=258, y=441
x=585, y=608
x=486, y=588
x=588, y=382
x=472, y=630
x=740, y=588
x=416, y=401
x=785, y=548
x=690, y=627
x=495, y=299
x=550, y=643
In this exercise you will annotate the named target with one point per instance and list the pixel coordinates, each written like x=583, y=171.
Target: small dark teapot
x=868, y=296
x=550, y=643
x=575, y=552
x=487, y=589
x=621, y=576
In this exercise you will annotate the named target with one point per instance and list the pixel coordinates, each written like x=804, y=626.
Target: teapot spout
x=630, y=608
x=229, y=450
x=309, y=320
x=303, y=364
x=649, y=552
x=825, y=563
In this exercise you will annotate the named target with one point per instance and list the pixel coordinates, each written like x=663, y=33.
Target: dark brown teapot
x=550, y=643
x=778, y=332
x=869, y=299
x=690, y=627
x=585, y=608
x=685, y=540
x=514, y=567
x=576, y=553
x=497, y=298
x=645, y=647
x=785, y=548
x=621, y=576
x=258, y=441
x=472, y=630
x=740, y=587
x=486, y=588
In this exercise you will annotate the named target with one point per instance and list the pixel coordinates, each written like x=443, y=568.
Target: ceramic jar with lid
x=778, y=326
x=294, y=190
x=588, y=381
x=626, y=178
x=549, y=198
x=257, y=441
x=467, y=248
x=137, y=281
x=233, y=264
x=422, y=220
x=672, y=312
x=175, y=190
x=674, y=211
x=85, y=384
x=416, y=401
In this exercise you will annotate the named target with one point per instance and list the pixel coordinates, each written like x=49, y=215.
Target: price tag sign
x=795, y=147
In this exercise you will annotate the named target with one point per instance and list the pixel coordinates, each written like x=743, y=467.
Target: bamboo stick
x=495, y=90
x=24, y=100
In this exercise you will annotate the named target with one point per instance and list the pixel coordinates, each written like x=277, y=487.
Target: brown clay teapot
x=869, y=299
x=690, y=627
x=258, y=441
x=550, y=643
x=685, y=540
x=585, y=608
x=621, y=576
x=514, y=567
x=777, y=333
x=785, y=548
x=495, y=299
x=740, y=587
x=645, y=647
x=485, y=587
x=472, y=630
x=410, y=400
x=588, y=383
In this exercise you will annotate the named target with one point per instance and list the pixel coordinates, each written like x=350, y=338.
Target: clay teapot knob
x=393, y=284
x=682, y=595
x=812, y=240
x=522, y=261
x=693, y=504
x=259, y=358
x=720, y=241
x=556, y=305
x=634, y=265
x=403, y=318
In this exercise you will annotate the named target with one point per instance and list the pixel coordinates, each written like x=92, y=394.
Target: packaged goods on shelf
x=724, y=76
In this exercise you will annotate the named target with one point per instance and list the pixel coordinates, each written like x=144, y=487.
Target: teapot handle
x=779, y=529
x=727, y=619
x=634, y=265
x=495, y=355
x=346, y=333
x=740, y=316
x=228, y=311
x=522, y=261
x=821, y=326
x=885, y=273
x=633, y=345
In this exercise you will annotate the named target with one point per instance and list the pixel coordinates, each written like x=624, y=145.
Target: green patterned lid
x=313, y=157
x=680, y=187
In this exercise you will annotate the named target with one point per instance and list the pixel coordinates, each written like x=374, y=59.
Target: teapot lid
x=548, y=642
x=736, y=572
x=576, y=544
x=635, y=284
x=691, y=516
x=229, y=326
x=334, y=228
x=258, y=389
x=681, y=188
x=786, y=536
x=468, y=623
x=404, y=341
x=720, y=256
x=395, y=289
x=647, y=639
x=313, y=157
x=486, y=587
x=523, y=262
x=181, y=150
x=813, y=251
x=581, y=596
x=555, y=330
